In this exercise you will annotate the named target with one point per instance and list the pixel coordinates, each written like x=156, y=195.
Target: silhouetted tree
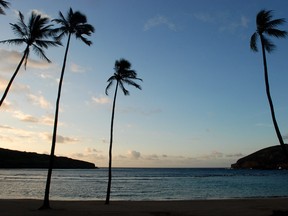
x=73, y=24
x=35, y=35
x=4, y=4
x=266, y=26
x=123, y=75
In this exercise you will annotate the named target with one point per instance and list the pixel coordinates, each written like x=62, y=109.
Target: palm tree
x=73, y=24
x=123, y=75
x=3, y=4
x=266, y=26
x=35, y=35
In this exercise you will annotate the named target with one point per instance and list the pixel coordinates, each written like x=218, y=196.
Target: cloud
x=17, y=135
x=39, y=101
x=61, y=139
x=5, y=127
x=237, y=155
x=10, y=59
x=134, y=158
x=43, y=120
x=6, y=105
x=16, y=87
x=134, y=154
x=43, y=14
x=159, y=21
x=90, y=150
x=101, y=100
x=77, y=68
x=224, y=20
x=25, y=117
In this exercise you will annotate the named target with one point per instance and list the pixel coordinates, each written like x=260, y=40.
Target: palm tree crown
x=266, y=26
x=34, y=34
x=3, y=4
x=123, y=75
x=74, y=23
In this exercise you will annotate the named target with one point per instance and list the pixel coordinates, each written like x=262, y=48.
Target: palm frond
x=18, y=30
x=253, y=42
x=276, y=33
x=108, y=86
x=85, y=40
x=3, y=4
x=125, y=91
x=275, y=23
x=16, y=41
x=40, y=53
x=131, y=82
x=47, y=43
x=268, y=45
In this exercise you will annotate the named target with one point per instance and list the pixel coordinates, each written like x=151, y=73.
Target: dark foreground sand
x=234, y=207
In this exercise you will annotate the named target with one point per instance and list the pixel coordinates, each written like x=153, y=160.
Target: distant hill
x=267, y=158
x=18, y=159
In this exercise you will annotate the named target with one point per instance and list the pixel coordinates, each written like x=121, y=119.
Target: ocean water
x=144, y=184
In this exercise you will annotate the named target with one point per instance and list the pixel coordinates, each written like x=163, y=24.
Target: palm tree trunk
x=110, y=148
x=46, y=204
x=277, y=130
x=13, y=77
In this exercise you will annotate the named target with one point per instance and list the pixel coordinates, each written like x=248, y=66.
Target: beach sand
x=232, y=207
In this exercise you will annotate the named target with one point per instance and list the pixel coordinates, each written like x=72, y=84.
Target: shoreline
x=213, y=207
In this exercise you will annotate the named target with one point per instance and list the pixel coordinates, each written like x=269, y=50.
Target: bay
x=145, y=184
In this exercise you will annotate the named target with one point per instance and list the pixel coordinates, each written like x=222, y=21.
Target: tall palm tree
x=74, y=24
x=35, y=34
x=123, y=75
x=266, y=26
x=3, y=4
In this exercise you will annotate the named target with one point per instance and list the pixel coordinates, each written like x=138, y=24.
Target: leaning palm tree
x=35, y=34
x=3, y=4
x=266, y=26
x=74, y=24
x=123, y=75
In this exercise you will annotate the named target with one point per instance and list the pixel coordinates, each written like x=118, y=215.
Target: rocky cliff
x=18, y=159
x=267, y=158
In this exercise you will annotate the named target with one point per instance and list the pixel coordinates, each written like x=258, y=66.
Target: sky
x=202, y=103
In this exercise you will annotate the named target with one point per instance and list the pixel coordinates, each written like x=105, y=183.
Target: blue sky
x=203, y=102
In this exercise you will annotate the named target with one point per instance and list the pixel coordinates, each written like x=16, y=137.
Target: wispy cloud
x=39, y=101
x=77, y=68
x=159, y=21
x=62, y=139
x=224, y=20
x=25, y=117
x=10, y=59
x=43, y=120
x=100, y=100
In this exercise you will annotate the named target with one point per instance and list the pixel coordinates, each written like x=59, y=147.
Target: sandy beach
x=233, y=207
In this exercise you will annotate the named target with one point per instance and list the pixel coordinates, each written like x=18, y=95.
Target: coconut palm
x=123, y=75
x=74, y=24
x=3, y=4
x=35, y=34
x=266, y=26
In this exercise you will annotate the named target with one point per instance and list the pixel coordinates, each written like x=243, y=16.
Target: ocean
x=145, y=184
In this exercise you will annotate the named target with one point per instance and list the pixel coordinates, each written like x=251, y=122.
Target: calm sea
x=144, y=184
